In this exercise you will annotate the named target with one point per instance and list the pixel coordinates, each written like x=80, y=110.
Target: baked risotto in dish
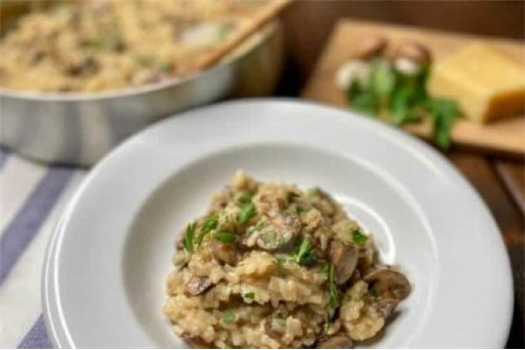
x=272, y=266
x=101, y=45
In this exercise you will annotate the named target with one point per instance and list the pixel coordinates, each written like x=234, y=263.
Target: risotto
x=91, y=45
x=272, y=266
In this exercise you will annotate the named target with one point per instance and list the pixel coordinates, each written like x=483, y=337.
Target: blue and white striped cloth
x=32, y=197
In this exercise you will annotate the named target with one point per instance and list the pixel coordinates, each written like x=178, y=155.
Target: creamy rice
x=272, y=266
x=89, y=46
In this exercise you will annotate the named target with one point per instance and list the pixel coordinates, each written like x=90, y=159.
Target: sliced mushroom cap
x=413, y=51
x=344, y=258
x=337, y=341
x=280, y=233
x=224, y=253
x=370, y=47
x=198, y=285
x=384, y=307
x=388, y=282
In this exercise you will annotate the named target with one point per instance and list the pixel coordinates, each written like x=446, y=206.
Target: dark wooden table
x=499, y=180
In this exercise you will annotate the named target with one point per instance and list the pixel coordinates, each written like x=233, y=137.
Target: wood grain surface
x=500, y=181
x=504, y=136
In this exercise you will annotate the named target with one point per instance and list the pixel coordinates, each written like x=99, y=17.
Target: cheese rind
x=486, y=83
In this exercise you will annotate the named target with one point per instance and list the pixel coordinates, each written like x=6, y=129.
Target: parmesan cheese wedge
x=487, y=84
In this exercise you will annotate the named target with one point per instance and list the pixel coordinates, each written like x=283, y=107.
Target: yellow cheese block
x=486, y=83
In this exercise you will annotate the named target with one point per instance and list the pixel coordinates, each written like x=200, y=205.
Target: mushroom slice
x=344, y=258
x=198, y=285
x=337, y=341
x=388, y=283
x=280, y=234
x=224, y=253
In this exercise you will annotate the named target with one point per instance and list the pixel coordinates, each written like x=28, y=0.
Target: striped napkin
x=32, y=197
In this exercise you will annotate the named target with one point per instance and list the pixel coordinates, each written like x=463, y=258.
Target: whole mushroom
x=370, y=47
x=409, y=58
x=412, y=51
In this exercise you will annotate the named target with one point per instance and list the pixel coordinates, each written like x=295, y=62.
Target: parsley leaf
x=284, y=259
x=402, y=105
x=249, y=295
x=305, y=255
x=363, y=100
x=444, y=113
x=405, y=98
x=209, y=224
x=228, y=316
x=246, y=213
x=358, y=237
x=333, y=292
x=188, y=239
x=225, y=237
x=325, y=268
x=382, y=79
x=245, y=198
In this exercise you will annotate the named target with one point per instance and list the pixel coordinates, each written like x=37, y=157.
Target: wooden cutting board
x=504, y=136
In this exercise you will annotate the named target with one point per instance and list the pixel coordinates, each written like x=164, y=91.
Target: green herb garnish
x=325, y=268
x=225, y=237
x=245, y=198
x=208, y=309
x=246, y=212
x=228, y=316
x=209, y=224
x=250, y=295
x=333, y=292
x=283, y=259
x=405, y=100
x=382, y=80
x=188, y=239
x=444, y=113
x=305, y=255
x=358, y=237
x=280, y=317
x=363, y=100
x=259, y=225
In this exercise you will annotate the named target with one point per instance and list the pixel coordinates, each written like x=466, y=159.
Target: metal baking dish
x=79, y=129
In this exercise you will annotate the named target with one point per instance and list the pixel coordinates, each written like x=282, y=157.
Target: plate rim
x=411, y=141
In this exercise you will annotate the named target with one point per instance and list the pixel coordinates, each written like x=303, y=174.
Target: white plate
x=104, y=280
